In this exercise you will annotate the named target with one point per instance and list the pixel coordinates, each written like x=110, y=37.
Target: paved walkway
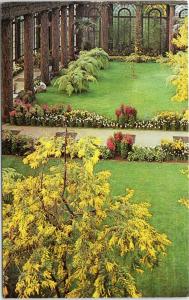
x=18, y=80
x=143, y=137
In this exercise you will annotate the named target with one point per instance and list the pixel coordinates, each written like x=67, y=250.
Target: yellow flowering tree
x=179, y=62
x=66, y=236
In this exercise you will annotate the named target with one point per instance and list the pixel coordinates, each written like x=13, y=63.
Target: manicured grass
x=161, y=185
x=149, y=93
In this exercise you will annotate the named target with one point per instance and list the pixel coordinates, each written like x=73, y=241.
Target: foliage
x=26, y=96
x=16, y=144
x=17, y=68
x=82, y=71
x=68, y=237
x=179, y=63
x=99, y=54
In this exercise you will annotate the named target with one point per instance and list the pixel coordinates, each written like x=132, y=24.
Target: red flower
x=111, y=144
x=118, y=136
x=118, y=112
x=12, y=113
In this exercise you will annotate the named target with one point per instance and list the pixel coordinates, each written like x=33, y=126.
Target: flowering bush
x=126, y=114
x=169, y=120
x=175, y=150
x=120, y=144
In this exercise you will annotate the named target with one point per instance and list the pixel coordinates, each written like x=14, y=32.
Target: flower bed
x=122, y=146
x=58, y=115
x=119, y=146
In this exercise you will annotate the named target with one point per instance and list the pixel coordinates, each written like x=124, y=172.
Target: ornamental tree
x=66, y=235
x=179, y=62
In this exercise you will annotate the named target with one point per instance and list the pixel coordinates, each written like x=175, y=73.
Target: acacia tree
x=179, y=62
x=66, y=235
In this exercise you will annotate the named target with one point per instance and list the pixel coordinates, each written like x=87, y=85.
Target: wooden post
x=55, y=40
x=28, y=52
x=6, y=67
x=138, y=29
x=17, y=39
x=71, y=31
x=171, y=23
x=64, y=42
x=44, y=47
x=104, y=26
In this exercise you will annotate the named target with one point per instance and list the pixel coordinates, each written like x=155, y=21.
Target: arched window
x=154, y=29
x=183, y=13
x=123, y=28
x=93, y=35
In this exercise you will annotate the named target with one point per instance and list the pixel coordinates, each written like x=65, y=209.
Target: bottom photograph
x=94, y=149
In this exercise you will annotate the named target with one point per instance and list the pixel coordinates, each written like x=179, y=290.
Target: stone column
x=17, y=39
x=171, y=23
x=6, y=67
x=71, y=31
x=55, y=40
x=79, y=35
x=104, y=26
x=44, y=34
x=138, y=29
x=64, y=42
x=28, y=52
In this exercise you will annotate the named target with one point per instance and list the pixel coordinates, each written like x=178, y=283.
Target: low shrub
x=16, y=144
x=149, y=154
x=82, y=71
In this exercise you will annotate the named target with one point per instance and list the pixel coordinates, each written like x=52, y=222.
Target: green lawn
x=149, y=93
x=161, y=185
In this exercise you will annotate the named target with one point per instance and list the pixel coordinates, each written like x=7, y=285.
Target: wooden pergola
x=61, y=31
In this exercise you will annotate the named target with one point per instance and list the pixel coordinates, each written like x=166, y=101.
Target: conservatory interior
x=95, y=148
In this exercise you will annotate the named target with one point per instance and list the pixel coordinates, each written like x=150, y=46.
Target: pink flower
x=12, y=113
